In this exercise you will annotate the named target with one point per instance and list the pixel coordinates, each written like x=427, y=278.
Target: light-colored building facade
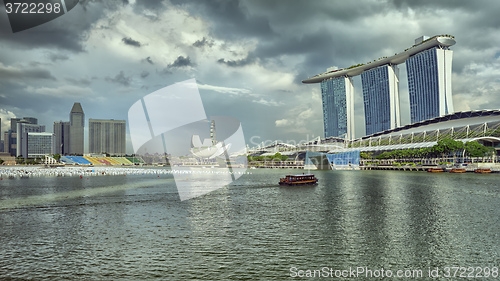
x=23, y=129
x=107, y=136
x=338, y=107
x=77, y=124
x=40, y=144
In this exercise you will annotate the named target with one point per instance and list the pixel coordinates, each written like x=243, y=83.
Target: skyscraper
x=13, y=124
x=338, y=107
x=11, y=137
x=107, y=136
x=76, y=123
x=381, y=98
x=61, y=137
x=23, y=129
x=429, y=83
x=39, y=144
x=428, y=64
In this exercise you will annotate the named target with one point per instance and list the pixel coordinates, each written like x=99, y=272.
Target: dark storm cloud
x=120, y=78
x=237, y=63
x=318, y=30
x=202, y=43
x=231, y=19
x=131, y=42
x=181, y=62
x=68, y=32
x=8, y=73
x=431, y=4
x=56, y=56
x=150, y=4
x=149, y=60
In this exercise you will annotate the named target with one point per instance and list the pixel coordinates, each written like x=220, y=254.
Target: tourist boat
x=299, y=179
x=482, y=171
x=435, y=170
x=458, y=170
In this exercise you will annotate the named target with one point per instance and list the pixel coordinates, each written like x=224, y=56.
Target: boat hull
x=303, y=179
x=482, y=171
x=435, y=170
x=299, y=183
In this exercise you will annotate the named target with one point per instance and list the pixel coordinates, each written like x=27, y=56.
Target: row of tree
x=441, y=149
x=275, y=157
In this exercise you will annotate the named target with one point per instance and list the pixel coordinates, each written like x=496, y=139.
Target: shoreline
x=27, y=171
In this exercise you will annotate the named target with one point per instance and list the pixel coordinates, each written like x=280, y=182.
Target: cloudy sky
x=248, y=57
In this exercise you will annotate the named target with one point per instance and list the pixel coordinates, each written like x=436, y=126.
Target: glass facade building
x=381, y=98
x=338, y=107
x=429, y=83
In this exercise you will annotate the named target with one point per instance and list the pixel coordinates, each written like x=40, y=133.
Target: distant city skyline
x=248, y=57
x=28, y=139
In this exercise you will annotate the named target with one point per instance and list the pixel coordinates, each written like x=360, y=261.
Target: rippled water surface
x=136, y=228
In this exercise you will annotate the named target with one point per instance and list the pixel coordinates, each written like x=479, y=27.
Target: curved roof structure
x=439, y=40
x=457, y=119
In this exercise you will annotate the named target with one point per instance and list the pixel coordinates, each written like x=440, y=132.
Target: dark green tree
x=475, y=149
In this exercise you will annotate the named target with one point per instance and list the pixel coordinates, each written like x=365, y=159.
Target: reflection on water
x=136, y=227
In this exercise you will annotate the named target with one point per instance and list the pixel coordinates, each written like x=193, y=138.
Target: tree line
x=441, y=149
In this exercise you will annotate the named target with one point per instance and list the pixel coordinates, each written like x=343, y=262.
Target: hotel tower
x=428, y=64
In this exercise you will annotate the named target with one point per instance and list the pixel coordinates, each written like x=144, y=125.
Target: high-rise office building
x=107, y=136
x=77, y=123
x=23, y=129
x=61, y=137
x=338, y=107
x=13, y=124
x=10, y=136
x=39, y=144
x=429, y=83
x=381, y=98
x=7, y=142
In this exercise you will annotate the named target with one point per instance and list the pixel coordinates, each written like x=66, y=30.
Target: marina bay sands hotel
x=428, y=65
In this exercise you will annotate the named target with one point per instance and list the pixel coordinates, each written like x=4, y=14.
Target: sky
x=248, y=57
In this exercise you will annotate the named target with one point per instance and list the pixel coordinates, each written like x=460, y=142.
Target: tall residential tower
x=107, y=136
x=381, y=98
x=429, y=82
x=61, y=137
x=338, y=107
x=76, y=125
